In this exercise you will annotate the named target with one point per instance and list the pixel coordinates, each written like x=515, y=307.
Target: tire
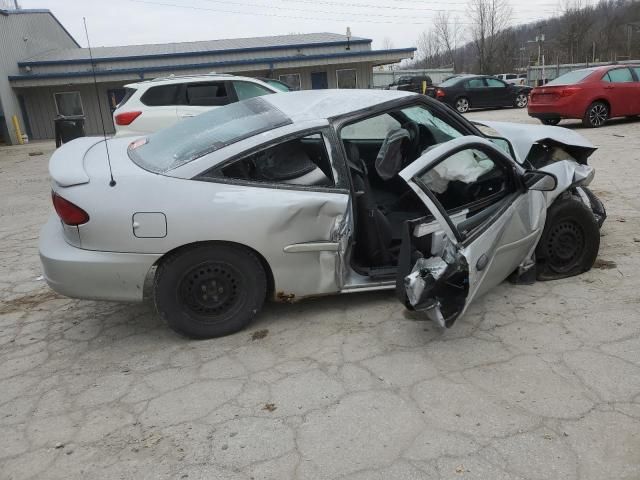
x=208, y=291
x=550, y=121
x=521, y=100
x=462, y=105
x=596, y=115
x=570, y=240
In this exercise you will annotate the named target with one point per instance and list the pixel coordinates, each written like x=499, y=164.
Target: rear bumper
x=89, y=274
x=545, y=115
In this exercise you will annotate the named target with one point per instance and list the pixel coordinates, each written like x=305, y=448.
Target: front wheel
x=209, y=291
x=462, y=105
x=596, y=115
x=570, y=241
x=522, y=100
x=550, y=121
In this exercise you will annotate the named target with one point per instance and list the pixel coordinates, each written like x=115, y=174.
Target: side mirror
x=540, y=181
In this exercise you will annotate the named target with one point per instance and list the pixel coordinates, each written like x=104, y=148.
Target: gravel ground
x=535, y=382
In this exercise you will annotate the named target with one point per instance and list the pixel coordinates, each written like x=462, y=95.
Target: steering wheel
x=413, y=151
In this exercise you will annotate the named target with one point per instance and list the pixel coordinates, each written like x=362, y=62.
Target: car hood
x=523, y=137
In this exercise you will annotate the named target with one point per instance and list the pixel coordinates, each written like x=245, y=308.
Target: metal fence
x=383, y=78
x=536, y=75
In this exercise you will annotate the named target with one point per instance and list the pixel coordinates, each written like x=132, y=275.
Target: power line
x=297, y=17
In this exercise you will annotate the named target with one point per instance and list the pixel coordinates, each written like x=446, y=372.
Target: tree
x=488, y=19
x=387, y=44
x=428, y=49
x=447, y=32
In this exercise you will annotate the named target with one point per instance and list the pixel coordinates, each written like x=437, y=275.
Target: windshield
x=281, y=87
x=190, y=139
x=571, y=77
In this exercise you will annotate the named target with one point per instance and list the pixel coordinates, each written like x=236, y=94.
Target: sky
x=390, y=23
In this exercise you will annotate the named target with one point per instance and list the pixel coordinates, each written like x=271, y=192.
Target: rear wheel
x=462, y=105
x=596, y=115
x=521, y=100
x=209, y=291
x=570, y=241
x=550, y=121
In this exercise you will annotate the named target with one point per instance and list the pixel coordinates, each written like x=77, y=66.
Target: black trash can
x=68, y=128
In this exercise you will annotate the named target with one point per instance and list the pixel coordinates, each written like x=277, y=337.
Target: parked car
x=481, y=91
x=593, y=95
x=310, y=193
x=277, y=84
x=412, y=83
x=155, y=104
x=513, y=78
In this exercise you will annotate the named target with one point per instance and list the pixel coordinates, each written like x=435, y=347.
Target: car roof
x=190, y=78
x=324, y=104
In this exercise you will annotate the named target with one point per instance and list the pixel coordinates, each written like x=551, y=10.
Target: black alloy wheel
x=596, y=115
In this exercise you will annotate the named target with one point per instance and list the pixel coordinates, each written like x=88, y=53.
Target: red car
x=592, y=94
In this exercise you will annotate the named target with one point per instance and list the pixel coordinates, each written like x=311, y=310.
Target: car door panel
x=620, y=90
x=449, y=277
x=476, y=91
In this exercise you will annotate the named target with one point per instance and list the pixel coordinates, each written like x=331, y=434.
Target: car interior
x=378, y=148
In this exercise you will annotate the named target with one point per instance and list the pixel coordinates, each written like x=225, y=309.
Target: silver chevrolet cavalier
x=318, y=192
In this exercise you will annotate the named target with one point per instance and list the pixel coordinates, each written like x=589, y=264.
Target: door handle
x=608, y=87
x=185, y=115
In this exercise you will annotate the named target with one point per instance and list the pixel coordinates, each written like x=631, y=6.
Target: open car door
x=487, y=217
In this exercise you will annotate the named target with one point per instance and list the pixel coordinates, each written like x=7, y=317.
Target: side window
x=291, y=79
x=68, y=104
x=246, y=90
x=512, y=76
x=495, y=83
x=637, y=70
x=476, y=83
x=620, y=75
x=301, y=161
x=347, y=78
x=206, y=94
x=465, y=178
x=160, y=96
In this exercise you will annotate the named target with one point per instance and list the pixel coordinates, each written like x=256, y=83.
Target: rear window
x=128, y=92
x=183, y=142
x=450, y=82
x=571, y=77
x=160, y=96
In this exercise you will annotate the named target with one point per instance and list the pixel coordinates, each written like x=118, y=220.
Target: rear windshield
x=190, y=139
x=571, y=77
x=449, y=82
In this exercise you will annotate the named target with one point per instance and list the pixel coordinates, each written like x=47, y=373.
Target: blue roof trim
x=152, y=56
x=253, y=61
x=39, y=10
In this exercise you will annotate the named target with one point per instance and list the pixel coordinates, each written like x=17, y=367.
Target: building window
x=347, y=78
x=68, y=104
x=291, y=79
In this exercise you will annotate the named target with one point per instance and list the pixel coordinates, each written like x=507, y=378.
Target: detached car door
x=485, y=225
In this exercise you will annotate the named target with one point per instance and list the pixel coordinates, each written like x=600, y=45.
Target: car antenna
x=112, y=182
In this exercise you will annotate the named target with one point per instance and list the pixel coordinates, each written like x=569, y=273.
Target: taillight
x=126, y=118
x=440, y=93
x=68, y=212
x=568, y=91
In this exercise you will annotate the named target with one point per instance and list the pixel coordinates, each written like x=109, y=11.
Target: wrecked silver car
x=317, y=192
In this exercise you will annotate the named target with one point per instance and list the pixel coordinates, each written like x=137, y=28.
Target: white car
x=513, y=78
x=155, y=104
x=319, y=192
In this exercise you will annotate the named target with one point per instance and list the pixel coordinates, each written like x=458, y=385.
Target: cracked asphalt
x=535, y=382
